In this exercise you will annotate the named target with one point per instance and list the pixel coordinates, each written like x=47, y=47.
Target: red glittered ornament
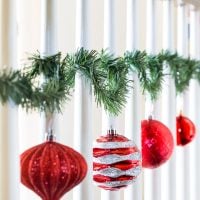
x=52, y=169
x=157, y=143
x=185, y=130
x=116, y=161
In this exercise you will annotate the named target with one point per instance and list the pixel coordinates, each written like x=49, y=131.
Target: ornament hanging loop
x=180, y=103
x=49, y=123
x=149, y=107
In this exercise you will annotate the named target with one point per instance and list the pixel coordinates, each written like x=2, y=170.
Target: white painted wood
x=109, y=25
x=48, y=47
x=169, y=104
x=133, y=108
x=182, y=42
x=83, y=134
x=108, y=121
x=49, y=27
x=82, y=33
x=152, y=178
x=83, y=106
x=183, y=158
x=150, y=26
x=132, y=23
x=193, y=104
x=9, y=149
x=197, y=113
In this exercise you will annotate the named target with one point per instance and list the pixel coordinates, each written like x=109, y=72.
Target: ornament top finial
x=50, y=135
x=111, y=132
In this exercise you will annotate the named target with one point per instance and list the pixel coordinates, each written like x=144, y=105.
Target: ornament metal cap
x=150, y=117
x=111, y=133
x=50, y=136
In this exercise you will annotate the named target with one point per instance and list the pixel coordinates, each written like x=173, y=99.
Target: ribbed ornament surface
x=116, y=162
x=52, y=169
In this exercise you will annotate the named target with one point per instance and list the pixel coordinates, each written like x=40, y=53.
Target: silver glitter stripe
x=114, y=172
x=115, y=183
x=114, y=145
x=114, y=158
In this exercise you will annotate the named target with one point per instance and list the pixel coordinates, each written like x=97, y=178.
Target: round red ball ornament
x=116, y=161
x=52, y=169
x=185, y=130
x=157, y=143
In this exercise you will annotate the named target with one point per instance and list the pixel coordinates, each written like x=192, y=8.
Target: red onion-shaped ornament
x=185, y=130
x=157, y=143
x=52, y=169
x=116, y=161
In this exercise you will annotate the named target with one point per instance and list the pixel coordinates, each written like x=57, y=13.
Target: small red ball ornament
x=52, y=169
x=116, y=161
x=157, y=143
x=185, y=130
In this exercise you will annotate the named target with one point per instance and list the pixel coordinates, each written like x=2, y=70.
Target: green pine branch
x=14, y=86
x=111, y=88
x=45, y=83
x=183, y=70
x=149, y=69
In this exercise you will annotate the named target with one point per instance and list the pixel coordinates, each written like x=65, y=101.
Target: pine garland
x=46, y=83
x=149, y=70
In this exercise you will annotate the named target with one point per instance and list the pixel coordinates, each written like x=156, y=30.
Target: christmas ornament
x=185, y=130
x=52, y=169
x=157, y=143
x=116, y=161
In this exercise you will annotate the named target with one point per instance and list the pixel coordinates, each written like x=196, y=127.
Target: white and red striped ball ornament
x=116, y=161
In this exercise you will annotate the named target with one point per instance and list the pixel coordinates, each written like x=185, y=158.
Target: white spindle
x=150, y=28
x=182, y=29
x=10, y=177
x=49, y=27
x=109, y=25
x=183, y=192
x=83, y=106
x=133, y=110
x=180, y=49
x=197, y=116
x=108, y=121
x=48, y=47
x=152, y=178
x=193, y=102
x=197, y=144
x=169, y=104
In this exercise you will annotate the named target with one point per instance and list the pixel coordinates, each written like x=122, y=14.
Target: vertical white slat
x=1, y=109
x=150, y=26
x=182, y=47
x=10, y=177
x=183, y=158
x=49, y=27
x=152, y=178
x=193, y=102
x=108, y=121
x=109, y=25
x=133, y=109
x=197, y=113
x=48, y=47
x=83, y=106
x=169, y=104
